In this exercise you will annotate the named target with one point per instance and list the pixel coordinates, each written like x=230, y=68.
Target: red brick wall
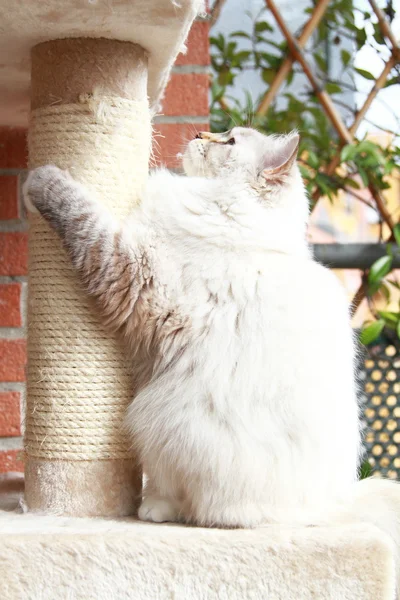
x=185, y=111
x=13, y=282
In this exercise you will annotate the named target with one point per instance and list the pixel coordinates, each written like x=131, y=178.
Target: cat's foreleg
x=112, y=266
x=159, y=510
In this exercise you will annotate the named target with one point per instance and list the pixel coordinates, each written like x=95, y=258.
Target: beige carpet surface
x=60, y=558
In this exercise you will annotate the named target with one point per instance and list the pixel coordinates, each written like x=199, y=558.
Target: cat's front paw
x=38, y=182
x=158, y=510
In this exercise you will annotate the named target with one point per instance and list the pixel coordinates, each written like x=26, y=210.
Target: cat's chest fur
x=219, y=293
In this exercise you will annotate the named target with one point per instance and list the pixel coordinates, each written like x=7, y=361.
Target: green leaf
x=371, y=332
x=241, y=34
x=289, y=78
x=392, y=81
x=217, y=91
x=272, y=60
x=312, y=159
x=385, y=291
x=365, y=74
x=361, y=37
x=352, y=183
x=365, y=470
x=242, y=56
x=347, y=153
x=305, y=171
x=230, y=49
x=391, y=317
x=396, y=232
x=367, y=147
x=363, y=175
x=379, y=269
x=333, y=88
x=321, y=62
x=378, y=37
x=398, y=330
x=268, y=75
x=346, y=57
x=262, y=26
x=219, y=42
x=225, y=78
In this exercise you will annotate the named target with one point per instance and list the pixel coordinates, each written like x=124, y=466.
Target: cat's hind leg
x=159, y=510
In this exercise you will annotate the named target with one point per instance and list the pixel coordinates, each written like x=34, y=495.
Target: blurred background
x=350, y=50
x=330, y=69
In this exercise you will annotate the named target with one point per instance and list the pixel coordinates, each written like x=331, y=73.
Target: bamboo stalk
x=379, y=83
x=216, y=11
x=323, y=97
x=385, y=28
x=380, y=203
x=284, y=70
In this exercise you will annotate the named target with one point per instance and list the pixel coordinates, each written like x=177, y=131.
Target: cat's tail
x=375, y=501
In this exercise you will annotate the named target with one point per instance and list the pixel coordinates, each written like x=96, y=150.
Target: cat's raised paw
x=158, y=510
x=37, y=182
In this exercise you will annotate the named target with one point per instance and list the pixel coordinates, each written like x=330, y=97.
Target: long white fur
x=256, y=419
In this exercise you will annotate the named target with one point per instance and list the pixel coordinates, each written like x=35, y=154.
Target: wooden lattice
x=347, y=135
x=379, y=371
x=381, y=368
x=379, y=375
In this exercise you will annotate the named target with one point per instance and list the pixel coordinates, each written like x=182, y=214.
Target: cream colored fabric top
x=159, y=26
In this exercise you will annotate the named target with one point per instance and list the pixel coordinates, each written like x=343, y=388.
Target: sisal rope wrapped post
x=90, y=115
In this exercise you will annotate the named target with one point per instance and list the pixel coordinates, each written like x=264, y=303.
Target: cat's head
x=261, y=158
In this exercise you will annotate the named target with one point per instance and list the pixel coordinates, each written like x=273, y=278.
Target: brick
x=11, y=460
x=186, y=94
x=8, y=197
x=10, y=414
x=13, y=253
x=198, y=49
x=12, y=360
x=10, y=305
x=13, y=148
x=172, y=140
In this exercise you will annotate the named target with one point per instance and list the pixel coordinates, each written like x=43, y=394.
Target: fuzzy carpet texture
x=60, y=558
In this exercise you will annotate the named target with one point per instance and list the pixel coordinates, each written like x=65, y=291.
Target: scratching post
x=87, y=72
x=89, y=115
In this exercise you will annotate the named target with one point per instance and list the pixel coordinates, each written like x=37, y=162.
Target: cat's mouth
x=194, y=157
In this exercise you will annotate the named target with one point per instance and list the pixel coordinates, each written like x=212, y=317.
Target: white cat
x=245, y=409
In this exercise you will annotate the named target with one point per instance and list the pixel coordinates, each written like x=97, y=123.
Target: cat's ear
x=280, y=157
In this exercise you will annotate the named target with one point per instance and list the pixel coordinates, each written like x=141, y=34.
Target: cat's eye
x=231, y=142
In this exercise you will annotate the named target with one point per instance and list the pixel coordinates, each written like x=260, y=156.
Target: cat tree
x=94, y=65
x=89, y=114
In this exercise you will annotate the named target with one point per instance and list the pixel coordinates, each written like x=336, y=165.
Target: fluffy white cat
x=245, y=408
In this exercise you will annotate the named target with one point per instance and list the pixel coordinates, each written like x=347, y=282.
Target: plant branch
x=380, y=203
x=360, y=198
x=323, y=97
x=216, y=11
x=385, y=28
x=284, y=70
